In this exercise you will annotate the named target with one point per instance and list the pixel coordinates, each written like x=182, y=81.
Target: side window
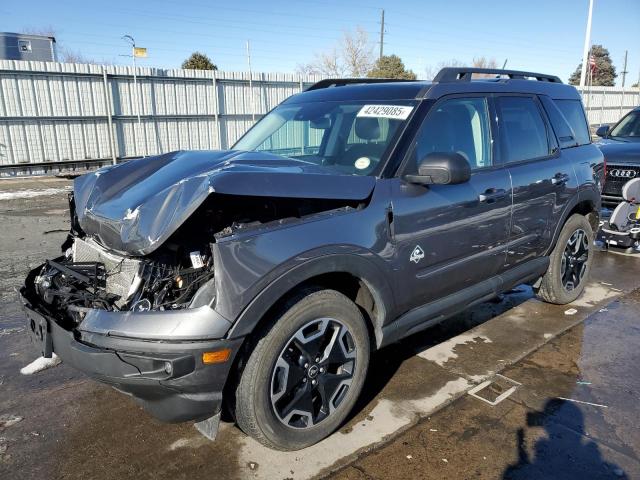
x=574, y=113
x=560, y=125
x=457, y=125
x=522, y=130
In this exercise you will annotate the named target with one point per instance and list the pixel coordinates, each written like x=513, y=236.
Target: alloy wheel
x=574, y=260
x=313, y=373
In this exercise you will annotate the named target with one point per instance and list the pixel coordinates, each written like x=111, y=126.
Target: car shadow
x=565, y=452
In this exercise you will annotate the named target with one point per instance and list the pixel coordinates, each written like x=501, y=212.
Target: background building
x=18, y=46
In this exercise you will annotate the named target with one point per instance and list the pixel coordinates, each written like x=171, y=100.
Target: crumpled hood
x=619, y=152
x=134, y=207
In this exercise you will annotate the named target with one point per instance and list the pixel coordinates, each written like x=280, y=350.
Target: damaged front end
x=141, y=324
x=133, y=299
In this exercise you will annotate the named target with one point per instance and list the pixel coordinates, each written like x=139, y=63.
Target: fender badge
x=417, y=254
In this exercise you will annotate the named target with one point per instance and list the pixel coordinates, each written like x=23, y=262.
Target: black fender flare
x=352, y=263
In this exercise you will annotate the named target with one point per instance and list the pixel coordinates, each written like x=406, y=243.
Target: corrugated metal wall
x=58, y=112
x=51, y=113
x=608, y=104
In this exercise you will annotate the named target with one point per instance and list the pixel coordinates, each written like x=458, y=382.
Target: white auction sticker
x=397, y=112
x=362, y=163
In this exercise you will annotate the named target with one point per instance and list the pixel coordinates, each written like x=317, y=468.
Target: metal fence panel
x=55, y=113
x=607, y=105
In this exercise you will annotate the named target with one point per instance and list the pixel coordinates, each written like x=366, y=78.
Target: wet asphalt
x=414, y=420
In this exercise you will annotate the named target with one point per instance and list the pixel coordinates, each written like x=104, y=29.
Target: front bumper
x=166, y=376
x=611, y=201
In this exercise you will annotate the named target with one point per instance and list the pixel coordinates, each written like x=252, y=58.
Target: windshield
x=351, y=138
x=628, y=127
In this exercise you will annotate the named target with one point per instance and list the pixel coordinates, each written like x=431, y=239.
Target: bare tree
x=477, y=62
x=352, y=56
x=432, y=70
x=357, y=53
x=483, y=62
x=74, y=56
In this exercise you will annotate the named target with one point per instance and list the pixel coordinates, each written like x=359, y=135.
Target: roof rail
x=453, y=74
x=339, y=82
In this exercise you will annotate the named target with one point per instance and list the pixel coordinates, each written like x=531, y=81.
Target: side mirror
x=441, y=168
x=602, y=131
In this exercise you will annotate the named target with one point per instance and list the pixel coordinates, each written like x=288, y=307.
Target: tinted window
x=350, y=137
x=561, y=127
x=523, y=131
x=458, y=125
x=574, y=113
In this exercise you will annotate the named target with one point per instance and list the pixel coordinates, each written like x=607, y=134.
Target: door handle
x=492, y=195
x=560, y=179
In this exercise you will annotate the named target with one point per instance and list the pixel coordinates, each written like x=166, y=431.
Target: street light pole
x=131, y=40
x=587, y=42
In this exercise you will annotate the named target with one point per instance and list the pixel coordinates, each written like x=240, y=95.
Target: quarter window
x=574, y=113
x=523, y=131
x=458, y=125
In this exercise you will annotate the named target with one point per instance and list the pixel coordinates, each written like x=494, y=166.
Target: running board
x=435, y=312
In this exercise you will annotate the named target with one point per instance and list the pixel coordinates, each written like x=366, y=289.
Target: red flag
x=592, y=63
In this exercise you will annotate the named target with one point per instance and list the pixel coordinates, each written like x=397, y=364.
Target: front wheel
x=303, y=377
x=570, y=263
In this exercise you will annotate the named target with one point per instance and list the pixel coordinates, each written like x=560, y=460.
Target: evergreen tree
x=199, y=61
x=390, y=66
x=604, y=74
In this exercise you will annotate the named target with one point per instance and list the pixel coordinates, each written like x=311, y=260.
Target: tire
x=563, y=284
x=283, y=366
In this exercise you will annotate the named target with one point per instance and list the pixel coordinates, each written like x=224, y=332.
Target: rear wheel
x=303, y=377
x=570, y=263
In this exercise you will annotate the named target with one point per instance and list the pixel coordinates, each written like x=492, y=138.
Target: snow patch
x=9, y=420
x=193, y=442
x=445, y=351
x=40, y=364
x=30, y=193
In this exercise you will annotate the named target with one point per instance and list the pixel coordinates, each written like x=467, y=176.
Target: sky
x=544, y=35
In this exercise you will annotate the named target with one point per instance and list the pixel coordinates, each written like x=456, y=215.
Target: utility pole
x=624, y=69
x=624, y=76
x=587, y=43
x=253, y=110
x=381, y=33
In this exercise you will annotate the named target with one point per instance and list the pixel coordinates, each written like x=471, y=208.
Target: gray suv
x=258, y=281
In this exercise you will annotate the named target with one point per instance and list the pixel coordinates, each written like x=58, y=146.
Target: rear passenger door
x=542, y=178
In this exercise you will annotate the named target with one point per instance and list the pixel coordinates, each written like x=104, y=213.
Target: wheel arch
x=586, y=205
x=357, y=278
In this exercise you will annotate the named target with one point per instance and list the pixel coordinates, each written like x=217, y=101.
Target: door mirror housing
x=602, y=131
x=441, y=168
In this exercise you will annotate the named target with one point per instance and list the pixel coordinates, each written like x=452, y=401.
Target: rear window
x=574, y=113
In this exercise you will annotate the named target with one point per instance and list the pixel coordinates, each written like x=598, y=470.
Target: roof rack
x=453, y=74
x=339, y=82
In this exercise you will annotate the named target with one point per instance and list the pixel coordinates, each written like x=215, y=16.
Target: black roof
x=448, y=81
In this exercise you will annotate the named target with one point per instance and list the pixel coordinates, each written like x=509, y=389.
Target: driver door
x=450, y=237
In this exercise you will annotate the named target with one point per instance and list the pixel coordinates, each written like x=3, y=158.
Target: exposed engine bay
x=90, y=276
